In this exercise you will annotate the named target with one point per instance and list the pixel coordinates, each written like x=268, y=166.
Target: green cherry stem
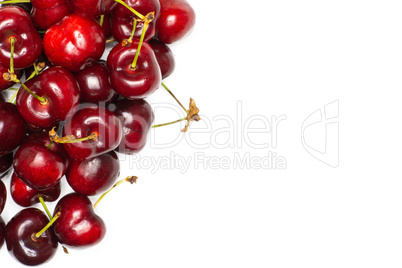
x=131, y=9
x=13, y=96
x=38, y=234
x=12, y=41
x=15, y=2
x=35, y=68
x=137, y=53
x=174, y=97
x=130, y=179
x=44, y=206
x=170, y=123
x=102, y=17
x=43, y=100
x=133, y=30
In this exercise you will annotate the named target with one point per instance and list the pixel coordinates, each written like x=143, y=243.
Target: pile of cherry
x=72, y=111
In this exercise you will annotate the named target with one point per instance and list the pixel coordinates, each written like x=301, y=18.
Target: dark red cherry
x=93, y=176
x=38, y=166
x=21, y=241
x=3, y=196
x=137, y=117
x=12, y=128
x=92, y=8
x=26, y=196
x=74, y=42
x=94, y=83
x=106, y=25
x=176, y=20
x=7, y=84
x=88, y=120
x=164, y=56
x=45, y=13
x=135, y=83
x=6, y=161
x=60, y=89
x=15, y=22
x=122, y=19
x=2, y=231
x=78, y=225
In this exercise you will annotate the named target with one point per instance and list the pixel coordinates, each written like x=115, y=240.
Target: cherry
x=26, y=196
x=129, y=82
x=106, y=24
x=16, y=25
x=94, y=83
x=3, y=196
x=92, y=8
x=93, y=176
x=176, y=20
x=12, y=128
x=92, y=120
x=2, y=231
x=38, y=166
x=45, y=13
x=78, y=225
x=6, y=84
x=6, y=161
x=21, y=240
x=164, y=56
x=74, y=42
x=123, y=19
x=60, y=93
x=137, y=117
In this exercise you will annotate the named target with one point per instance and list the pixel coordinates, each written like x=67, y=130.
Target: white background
x=272, y=58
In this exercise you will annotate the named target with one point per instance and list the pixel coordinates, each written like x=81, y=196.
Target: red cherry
x=12, y=128
x=93, y=176
x=3, y=196
x=78, y=225
x=74, y=42
x=176, y=20
x=45, y=13
x=61, y=91
x=15, y=22
x=137, y=117
x=106, y=25
x=140, y=82
x=88, y=120
x=164, y=56
x=6, y=161
x=92, y=8
x=122, y=19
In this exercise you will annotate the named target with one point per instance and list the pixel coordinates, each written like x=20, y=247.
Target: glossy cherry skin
x=45, y=13
x=2, y=231
x=176, y=20
x=20, y=243
x=164, y=56
x=93, y=176
x=39, y=167
x=3, y=196
x=94, y=83
x=86, y=121
x=122, y=19
x=12, y=128
x=6, y=161
x=15, y=22
x=7, y=84
x=63, y=94
x=138, y=83
x=92, y=8
x=26, y=196
x=74, y=42
x=78, y=225
x=137, y=117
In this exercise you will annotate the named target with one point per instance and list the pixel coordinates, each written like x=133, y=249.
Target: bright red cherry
x=21, y=241
x=78, y=224
x=134, y=83
x=122, y=19
x=3, y=196
x=137, y=117
x=164, y=56
x=7, y=84
x=26, y=196
x=74, y=42
x=92, y=120
x=12, y=128
x=6, y=161
x=95, y=175
x=45, y=13
x=176, y=20
x=61, y=91
x=94, y=83
x=15, y=22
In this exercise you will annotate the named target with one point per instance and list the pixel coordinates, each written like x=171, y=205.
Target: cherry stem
x=12, y=40
x=38, y=234
x=131, y=9
x=49, y=146
x=43, y=100
x=174, y=97
x=13, y=96
x=44, y=206
x=133, y=31
x=102, y=17
x=110, y=40
x=35, y=69
x=15, y=2
x=170, y=123
x=137, y=53
x=130, y=179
